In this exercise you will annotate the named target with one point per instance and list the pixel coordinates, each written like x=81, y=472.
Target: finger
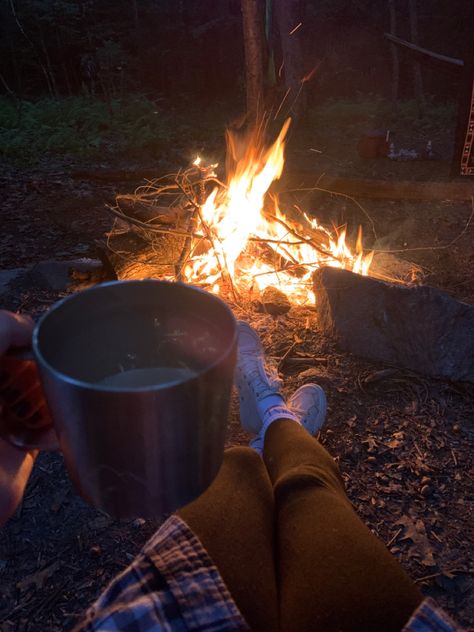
x=15, y=330
x=15, y=469
x=22, y=399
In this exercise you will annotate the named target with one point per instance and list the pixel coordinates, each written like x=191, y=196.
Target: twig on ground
x=458, y=571
x=395, y=536
x=285, y=355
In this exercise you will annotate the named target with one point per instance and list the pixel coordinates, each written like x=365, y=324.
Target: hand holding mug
x=15, y=463
x=137, y=376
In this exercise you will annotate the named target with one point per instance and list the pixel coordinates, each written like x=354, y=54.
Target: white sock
x=270, y=409
x=268, y=402
x=278, y=411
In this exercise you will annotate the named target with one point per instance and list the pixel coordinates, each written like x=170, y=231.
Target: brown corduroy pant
x=291, y=549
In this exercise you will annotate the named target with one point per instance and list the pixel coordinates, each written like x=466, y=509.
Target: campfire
x=234, y=236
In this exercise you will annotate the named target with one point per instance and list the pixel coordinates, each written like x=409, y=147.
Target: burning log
x=150, y=239
x=419, y=328
x=129, y=256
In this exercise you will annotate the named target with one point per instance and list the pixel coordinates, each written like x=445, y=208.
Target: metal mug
x=147, y=449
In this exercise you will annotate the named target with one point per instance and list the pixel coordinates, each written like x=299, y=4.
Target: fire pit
x=233, y=238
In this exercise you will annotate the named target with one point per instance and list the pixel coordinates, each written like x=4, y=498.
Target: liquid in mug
x=152, y=376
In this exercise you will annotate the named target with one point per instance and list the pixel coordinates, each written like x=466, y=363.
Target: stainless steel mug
x=138, y=377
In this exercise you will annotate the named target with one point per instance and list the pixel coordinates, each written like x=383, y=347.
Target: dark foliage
x=109, y=48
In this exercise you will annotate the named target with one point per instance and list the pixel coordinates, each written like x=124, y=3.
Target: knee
x=308, y=476
x=242, y=456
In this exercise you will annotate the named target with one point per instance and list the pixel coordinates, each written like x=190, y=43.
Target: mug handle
x=25, y=420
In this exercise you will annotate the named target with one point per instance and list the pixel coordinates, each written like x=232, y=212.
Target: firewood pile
x=150, y=235
x=153, y=230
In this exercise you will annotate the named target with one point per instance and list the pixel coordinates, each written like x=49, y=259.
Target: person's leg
x=333, y=573
x=234, y=521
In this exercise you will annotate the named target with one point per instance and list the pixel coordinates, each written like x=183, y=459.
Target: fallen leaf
x=371, y=443
x=396, y=441
x=415, y=531
x=308, y=373
x=393, y=444
x=351, y=422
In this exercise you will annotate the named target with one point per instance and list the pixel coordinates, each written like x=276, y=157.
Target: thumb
x=15, y=330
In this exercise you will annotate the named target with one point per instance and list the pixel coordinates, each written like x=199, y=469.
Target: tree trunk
x=417, y=76
x=252, y=21
x=49, y=67
x=394, y=52
x=288, y=15
x=64, y=68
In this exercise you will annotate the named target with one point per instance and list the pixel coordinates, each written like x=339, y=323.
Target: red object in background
x=373, y=145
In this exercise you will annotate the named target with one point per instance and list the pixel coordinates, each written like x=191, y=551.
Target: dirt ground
x=404, y=442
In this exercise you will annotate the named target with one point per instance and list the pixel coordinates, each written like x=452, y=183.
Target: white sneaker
x=309, y=404
x=254, y=380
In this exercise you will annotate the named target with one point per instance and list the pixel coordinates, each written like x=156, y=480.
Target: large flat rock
x=419, y=328
x=54, y=275
x=58, y=275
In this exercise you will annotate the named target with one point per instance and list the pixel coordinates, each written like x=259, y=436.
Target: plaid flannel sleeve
x=428, y=617
x=172, y=585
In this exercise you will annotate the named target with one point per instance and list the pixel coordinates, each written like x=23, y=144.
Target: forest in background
x=127, y=66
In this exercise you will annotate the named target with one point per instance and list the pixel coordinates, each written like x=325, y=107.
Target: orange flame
x=247, y=238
